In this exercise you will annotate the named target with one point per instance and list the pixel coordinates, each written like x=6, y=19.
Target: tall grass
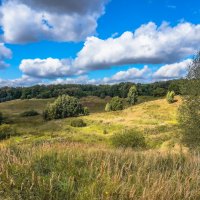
x=74, y=171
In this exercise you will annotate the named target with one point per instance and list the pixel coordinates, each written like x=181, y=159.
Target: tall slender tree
x=189, y=112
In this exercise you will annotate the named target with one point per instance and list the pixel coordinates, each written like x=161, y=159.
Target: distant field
x=153, y=117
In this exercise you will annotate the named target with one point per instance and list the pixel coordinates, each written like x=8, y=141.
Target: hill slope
x=156, y=119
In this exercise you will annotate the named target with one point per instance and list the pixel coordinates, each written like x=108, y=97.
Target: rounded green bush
x=64, y=106
x=115, y=104
x=86, y=111
x=128, y=138
x=78, y=123
x=6, y=131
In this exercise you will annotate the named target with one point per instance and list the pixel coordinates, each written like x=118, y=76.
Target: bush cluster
x=63, y=107
x=29, y=113
x=128, y=138
x=115, y=104
x=6, y=131
x=78, y=123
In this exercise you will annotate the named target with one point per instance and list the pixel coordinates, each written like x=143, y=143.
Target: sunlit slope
x=156, y=119
x=148, y=114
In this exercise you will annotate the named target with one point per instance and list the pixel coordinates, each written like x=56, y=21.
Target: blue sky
x=84, y=40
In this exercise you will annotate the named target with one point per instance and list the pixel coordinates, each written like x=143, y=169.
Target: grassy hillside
x=53, y=160
x=155, y=118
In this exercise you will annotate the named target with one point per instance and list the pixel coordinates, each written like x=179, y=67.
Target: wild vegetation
x=75, y=171
x=73, y=149
x=170, y=96
x=157, y=89
x=189, y=115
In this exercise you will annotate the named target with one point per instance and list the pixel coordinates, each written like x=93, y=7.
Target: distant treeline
x=78, y=90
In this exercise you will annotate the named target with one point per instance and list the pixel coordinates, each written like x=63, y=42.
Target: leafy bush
x=132, y=95
x=29, y=113
x=128, y=138
x=170, y=96
x=107, y=108
x=6, y=131
x=63, y=107
x=115, y=104
x=86, y=111
x=78, y=123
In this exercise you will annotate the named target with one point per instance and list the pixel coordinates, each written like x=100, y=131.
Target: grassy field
x=74, y=171
x=53, y=160
x=155, y=118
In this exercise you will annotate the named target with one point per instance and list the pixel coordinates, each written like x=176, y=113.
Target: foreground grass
x=74, y=171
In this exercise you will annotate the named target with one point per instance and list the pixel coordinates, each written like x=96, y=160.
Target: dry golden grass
x=157, y=112
x=75, y=171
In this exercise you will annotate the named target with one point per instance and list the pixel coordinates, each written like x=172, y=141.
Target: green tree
x=116, y=104
x=189, y=112
x=159, y=92
x=132, y=95
x=63, y=107
x=170, y=96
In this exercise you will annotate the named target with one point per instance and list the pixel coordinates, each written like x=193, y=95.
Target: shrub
x=132, y=95
x=170, y=96
x=105, y=132
x=6, y=131
x=128, y=138
x=78, y=123
x=29, y=113
x=107, y=108
x=86, y=111
x=115, y=104
x=63, y=107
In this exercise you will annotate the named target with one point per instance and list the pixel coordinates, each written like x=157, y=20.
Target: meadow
x=53, y=160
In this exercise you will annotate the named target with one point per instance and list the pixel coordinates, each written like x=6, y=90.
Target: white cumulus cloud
x=132, y=74
x=48, y=68
x=25, y=21
x=5, y=53
x=172, y=71
x=23, y=81
x=149, y=44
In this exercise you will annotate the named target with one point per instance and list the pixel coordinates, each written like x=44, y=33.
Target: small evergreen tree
x=107, y=108
x=170, y=96
x=132, y=95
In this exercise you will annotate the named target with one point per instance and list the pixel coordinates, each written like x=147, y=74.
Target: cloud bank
x=26, y=21
x=149, y=44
